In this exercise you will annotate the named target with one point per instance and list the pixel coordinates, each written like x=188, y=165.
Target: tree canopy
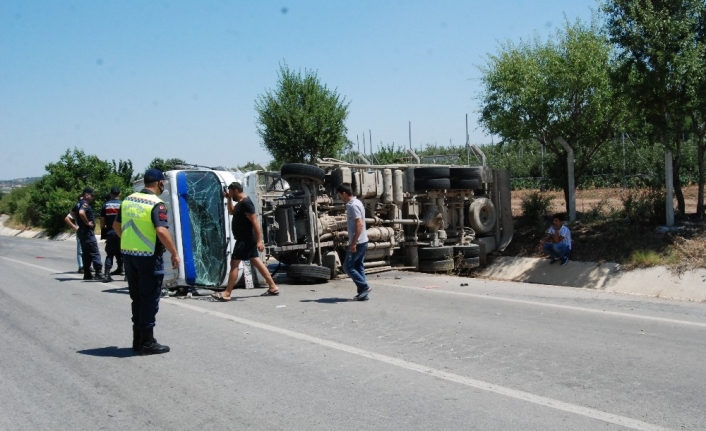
x=661, y=49
x=165, y=165
x=302, y=119
x=554, y=91
x=53, y=195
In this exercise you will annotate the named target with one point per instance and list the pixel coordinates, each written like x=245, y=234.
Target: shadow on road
x=327, y=300
x=110, y=352
x=122, y=290
x=62, y=279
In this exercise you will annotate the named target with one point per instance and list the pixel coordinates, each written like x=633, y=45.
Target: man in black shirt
x=248, y=242
x=89, y=246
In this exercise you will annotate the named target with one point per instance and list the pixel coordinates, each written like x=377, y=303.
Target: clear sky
x=136, y=79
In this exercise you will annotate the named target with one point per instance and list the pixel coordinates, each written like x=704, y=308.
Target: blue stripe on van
x=186, y=241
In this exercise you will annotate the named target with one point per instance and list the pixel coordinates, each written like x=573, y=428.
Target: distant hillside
x=7, y=185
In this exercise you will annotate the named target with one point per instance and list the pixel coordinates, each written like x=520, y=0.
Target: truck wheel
x=301, y=170
x=436, y=265
x=469, y=263
x=464, y=184
x=466, y=251
x=432, y=184
x=435, y=253
x=431, y=172
x=308, y=274
x=482, y=215
x=473, y=173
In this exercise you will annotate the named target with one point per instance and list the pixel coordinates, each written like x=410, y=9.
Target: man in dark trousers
x=112, y=240
x=86, y=226
x=357, y=241
x=248, y=242
x=142, y=227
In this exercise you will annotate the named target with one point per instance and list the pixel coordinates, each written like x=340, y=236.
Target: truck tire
x=466, y=251
x=469, y=263
x=431, y=172
x=464, y=184
x=472, y=173
x=436, y=265
x=432, y=184
x=482, y=215
x=435, y=253
x=301, y=170
x=308, y=274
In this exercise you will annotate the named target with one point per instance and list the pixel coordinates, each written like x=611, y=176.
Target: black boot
x=136, y=339
x=87, y=274
x=99, y=275
x=118, y=270
x=107, y=278
x=150, y=346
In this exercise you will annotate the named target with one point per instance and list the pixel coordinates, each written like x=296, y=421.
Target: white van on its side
x=200, y=227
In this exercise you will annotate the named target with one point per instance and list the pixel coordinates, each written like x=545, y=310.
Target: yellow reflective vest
x=139, y=236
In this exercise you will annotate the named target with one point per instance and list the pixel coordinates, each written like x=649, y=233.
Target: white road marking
x=546, y=304
x=477, y=384
x=43, y=268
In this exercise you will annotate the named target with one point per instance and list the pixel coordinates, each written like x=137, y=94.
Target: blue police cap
x=153, y=175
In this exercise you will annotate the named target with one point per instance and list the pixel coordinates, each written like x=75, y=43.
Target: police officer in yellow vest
x=143, y=229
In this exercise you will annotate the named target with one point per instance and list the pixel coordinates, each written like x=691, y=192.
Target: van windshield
x=202, y=219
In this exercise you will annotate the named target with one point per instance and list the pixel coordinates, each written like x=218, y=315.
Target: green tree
x=165, y=165
x=53, y=195
x=660, y=49
x=558, y=94
x=302, y=119
x=250, y=166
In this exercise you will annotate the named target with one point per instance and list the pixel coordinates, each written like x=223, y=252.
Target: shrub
x=599, y=211
x=645, y=205
x=11, y=201
x=536, y=205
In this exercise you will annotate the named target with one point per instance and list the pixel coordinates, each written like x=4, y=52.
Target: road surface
x=425, y=353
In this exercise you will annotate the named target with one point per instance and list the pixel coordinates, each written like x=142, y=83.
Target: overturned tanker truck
x=430, y=218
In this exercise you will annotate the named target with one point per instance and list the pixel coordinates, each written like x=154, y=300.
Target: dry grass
x=14, y=224
x=600, y=235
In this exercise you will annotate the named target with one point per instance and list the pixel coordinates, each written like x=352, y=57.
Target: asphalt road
x=425, y=353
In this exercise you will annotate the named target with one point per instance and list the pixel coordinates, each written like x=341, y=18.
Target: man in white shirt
x=357, y=241
x=557, y=242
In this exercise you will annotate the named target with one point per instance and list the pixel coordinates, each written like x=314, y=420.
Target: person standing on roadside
x=70, y=221
x=112, y=240
x=86, y=233
x=357, y=240
x=248, y=242
x=557, y=242
x=143, y=227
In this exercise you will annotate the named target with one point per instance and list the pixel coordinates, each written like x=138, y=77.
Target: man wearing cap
x=112, y=240
x=86, y=226
x=142, y=225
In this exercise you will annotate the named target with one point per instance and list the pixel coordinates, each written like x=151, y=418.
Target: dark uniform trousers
x=89, y=250
x=144, y=276
x=112, y=250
